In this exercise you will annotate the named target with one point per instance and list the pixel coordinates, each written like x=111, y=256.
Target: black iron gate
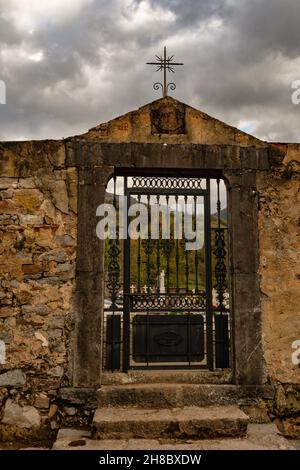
x=167, y=302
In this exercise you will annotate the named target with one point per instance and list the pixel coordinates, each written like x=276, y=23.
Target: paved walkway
x=260, y=437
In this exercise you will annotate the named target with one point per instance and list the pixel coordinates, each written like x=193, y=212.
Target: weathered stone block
x=7, y=194
x=56, y=322
x=6, y=312
x=57, y=371
x=42, y=309
x=6, y=183
x=57, y=158
x=32, y=269
x=30, y=219
x=60, y=196
x=13, y=378
x=290, y=427
x=21, y=416
x=23, y=296
x=42, y=401
x=26, y=183
x=64, y=267
x=55, y=255
x=52, y=411
x=55, y=334
x=70, y=411
x=79, y=396
x=31, y=199
x=11, y=207
x=65, y=240
x=191, y=422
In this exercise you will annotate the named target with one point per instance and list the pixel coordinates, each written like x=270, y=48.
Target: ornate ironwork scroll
x=220, y=254
x=220, y=268
x=113, y=269
x=169, y=301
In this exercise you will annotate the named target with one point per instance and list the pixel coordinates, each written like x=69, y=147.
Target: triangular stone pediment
x=168, y=120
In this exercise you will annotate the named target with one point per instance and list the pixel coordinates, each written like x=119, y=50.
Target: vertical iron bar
x=218, y=204
x=196, y=251
x=165, y=72
x=114, y=294
x=113, y=282
x=221, y=320
x=189, y=338
x=177, y=250
x=147, y=336
x=126, y=301
x=158, y=249
x=208, y=278
x=186, y=251
x=139, y=258
x=168, y=246
x=148, y=280
x=148, y=246
x=220, y=254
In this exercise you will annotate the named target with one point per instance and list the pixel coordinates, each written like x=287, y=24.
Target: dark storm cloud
x=190, y=12
x=8, y=34
x=76, y=63
x=268, y=26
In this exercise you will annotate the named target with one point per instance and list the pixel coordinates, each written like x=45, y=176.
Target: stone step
x=167, y=376
x=178, y=423
x=160, y=396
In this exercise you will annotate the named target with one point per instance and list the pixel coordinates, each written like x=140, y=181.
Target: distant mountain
x=223, y=214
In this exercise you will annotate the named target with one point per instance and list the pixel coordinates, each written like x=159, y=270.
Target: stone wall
x=279, y=244
x=279, y=254
x=37, y=270
x=38, y=223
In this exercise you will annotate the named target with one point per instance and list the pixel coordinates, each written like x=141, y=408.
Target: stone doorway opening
x=166, y=295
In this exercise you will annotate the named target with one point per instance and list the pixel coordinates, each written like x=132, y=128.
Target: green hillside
x=165, y=245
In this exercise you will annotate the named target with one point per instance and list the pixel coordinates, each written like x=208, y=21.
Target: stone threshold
x=195, y=376
x=89, y=397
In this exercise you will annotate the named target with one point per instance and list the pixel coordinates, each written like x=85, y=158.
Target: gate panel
x=174, y=277
x=163, y=339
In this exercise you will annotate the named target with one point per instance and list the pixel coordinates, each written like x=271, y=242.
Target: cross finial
x=164, y=63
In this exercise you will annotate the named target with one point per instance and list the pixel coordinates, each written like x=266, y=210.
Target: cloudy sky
x=71, y=64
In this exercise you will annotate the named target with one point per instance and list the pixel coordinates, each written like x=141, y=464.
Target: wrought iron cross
x=164, y=63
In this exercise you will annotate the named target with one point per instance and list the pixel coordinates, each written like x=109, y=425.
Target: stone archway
x=239, y=167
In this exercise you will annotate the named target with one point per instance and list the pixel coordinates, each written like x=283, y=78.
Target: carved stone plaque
x=168, y=118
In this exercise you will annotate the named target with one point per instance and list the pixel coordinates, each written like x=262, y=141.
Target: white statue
x=162, y=288
x=215, y=301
